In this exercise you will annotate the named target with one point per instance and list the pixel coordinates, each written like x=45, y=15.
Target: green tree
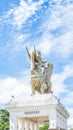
x=4, y=120
x=44, y=127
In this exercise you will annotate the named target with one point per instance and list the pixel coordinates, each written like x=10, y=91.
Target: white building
x=29, y=112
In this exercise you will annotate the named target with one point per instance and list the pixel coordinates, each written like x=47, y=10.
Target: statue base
x=33, y=111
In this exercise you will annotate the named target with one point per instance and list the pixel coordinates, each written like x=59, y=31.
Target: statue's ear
x=28, y=52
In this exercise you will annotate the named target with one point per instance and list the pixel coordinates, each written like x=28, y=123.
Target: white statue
x=41, y=72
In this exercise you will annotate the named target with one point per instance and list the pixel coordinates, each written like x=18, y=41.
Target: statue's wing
x=48, y=72
x=50, y=68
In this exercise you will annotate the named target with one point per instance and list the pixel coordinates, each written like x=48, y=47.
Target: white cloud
x=57, y=28
x=64, y=44
x=12, y=86
x=70, y=109
x=58, y=84
x=18, y=15
x=45, y=44
x=68, y=99
x=60, y=18
x=19, y=42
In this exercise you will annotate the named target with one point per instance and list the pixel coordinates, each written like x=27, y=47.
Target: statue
x=41, y=72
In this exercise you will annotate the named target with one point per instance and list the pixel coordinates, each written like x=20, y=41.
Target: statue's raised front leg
x=33, y=90
x=43, y=88
x=49, y=87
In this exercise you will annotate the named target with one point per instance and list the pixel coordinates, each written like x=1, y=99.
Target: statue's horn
x=28, y=52
x=34, y=49
x=34, y=52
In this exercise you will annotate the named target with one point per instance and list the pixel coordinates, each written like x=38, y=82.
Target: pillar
x=36, y=126
x=21, y=124
x=13, y=122
x=52, y=119
x=27, y=125
x=32, y=125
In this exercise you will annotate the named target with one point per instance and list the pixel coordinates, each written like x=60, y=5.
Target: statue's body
x=40, y=73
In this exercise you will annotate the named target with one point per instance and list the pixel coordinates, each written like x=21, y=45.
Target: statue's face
x=35, y=59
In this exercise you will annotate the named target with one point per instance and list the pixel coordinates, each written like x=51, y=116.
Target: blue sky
x=47, y=24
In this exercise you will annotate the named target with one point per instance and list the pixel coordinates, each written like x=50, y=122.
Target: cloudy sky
x=47, y=24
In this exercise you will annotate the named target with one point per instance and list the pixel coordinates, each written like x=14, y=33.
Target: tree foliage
x=44, y=127
x=4, y=120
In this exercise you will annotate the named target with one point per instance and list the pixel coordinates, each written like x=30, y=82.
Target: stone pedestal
x=30, y=112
